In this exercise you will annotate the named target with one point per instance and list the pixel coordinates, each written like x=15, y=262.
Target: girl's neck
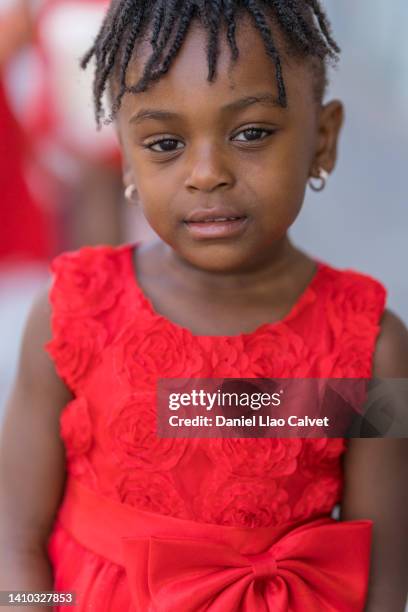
x=273, y=266
x=230, y=304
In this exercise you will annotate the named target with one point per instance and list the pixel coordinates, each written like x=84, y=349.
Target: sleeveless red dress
x=189, y=525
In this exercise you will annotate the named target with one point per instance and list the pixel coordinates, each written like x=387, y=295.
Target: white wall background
x=360, y=220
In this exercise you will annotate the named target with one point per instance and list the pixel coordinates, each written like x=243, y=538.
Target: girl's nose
x=209, y=171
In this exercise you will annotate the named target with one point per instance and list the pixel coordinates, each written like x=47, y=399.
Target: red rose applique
x=321, y=456
x=226, y=356
x=353, y=314
x=268, y=457
x=87, y=282
x=151, y=349
x=318, y=497
x=76, y=347
x=152, y=492
x=277, y=352
x=243, y=503
x=133, y=438
x=352, y=311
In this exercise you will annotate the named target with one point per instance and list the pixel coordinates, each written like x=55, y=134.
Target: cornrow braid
x=323, y=23
x=211, y=14
x=261, y=24
x=185, y=18
x=303, y=23
x=157, y=23
x=231, y=27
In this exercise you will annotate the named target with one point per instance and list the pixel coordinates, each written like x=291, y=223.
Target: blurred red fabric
x=26, y=230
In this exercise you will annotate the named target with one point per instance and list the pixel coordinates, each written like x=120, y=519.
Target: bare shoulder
x=391, y=352
x=34, y=361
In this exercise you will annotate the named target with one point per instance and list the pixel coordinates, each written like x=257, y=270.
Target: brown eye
x=168, y=145
x=253, y=134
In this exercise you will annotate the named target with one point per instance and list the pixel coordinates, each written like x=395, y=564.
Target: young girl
x=220, y=114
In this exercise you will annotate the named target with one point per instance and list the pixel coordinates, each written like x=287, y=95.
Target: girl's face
x=197, y=150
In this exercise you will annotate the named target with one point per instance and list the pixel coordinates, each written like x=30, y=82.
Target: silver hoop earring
x=129, y=193
x=323, y=176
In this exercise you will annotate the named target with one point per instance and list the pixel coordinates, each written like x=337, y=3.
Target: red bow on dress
x=321, y=566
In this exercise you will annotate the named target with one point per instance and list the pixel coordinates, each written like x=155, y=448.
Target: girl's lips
x=201, y=230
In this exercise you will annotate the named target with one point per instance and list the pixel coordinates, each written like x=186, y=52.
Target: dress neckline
x=307, y=296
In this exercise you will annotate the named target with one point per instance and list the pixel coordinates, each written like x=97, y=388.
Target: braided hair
x=305, y=27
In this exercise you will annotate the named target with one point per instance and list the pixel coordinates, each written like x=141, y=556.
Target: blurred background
x=60, y=181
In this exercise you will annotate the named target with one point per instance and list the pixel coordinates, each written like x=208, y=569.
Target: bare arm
x=32, y=460
x=376, y=477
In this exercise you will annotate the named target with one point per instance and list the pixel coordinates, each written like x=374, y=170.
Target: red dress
x=169, y=525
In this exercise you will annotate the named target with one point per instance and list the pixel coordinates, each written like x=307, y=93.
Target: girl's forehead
x=253, y=71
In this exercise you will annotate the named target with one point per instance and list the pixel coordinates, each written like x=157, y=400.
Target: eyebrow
x=237, y=105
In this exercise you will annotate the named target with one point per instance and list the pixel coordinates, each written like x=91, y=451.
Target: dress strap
x=86, y=288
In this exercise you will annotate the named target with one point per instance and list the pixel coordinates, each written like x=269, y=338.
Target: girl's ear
x=330, y=123
x=129, y=181
x=127, y=174
x=131, y=193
